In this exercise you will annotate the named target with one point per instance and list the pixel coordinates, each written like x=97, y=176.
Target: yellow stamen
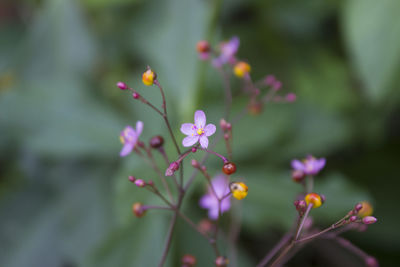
x=200, y=131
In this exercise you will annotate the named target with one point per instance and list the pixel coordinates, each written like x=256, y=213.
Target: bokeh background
x=64, y=195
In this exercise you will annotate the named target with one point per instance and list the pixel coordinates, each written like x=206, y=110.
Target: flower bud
x=122, y=85
x=300, y=205
x=150, y=183
x=369, y=220
x=135, y=95
x=358, y=207
x=270, y=79
x=371, y=262
x=291, y=97
x=241, y=69
x=366, y=209
x=140, y=183
x=156, y=141
x=203, y=47
x=188, y=260
x=173, y=167
x=206, y=226
x=229, y=168
x=353, y=218
x=277, y=85
x=194, y=149
x=195, y=164
x=298, y=176
x=223, y=124
x=132, y=178
x=138, y=209
x=255, y=108
x=148, y=77
x=239, y=190
x=221, y=261
x=313, y=198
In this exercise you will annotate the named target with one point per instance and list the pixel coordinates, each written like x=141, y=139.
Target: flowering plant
x=220, y=189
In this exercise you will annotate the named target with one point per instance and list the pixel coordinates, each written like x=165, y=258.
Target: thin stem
x=309, y=184
x=162, y=152
x=275, y=250
x=350, y=246
x=225, y=160
x=148, y=207
x=162, y=178
x=228, y=91
x=303, y=219
x=168, y=240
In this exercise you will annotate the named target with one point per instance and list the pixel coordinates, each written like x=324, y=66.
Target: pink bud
x=122, y=85
x=270, y=79
x=173, y=167
x=369, y=220
x=371, y=262
x=277, y=85
x=358, y=207
x=291, y=97
x=353, y=218
x=195, y=163
x=194, y=149
x=135, y=95
x=140, y=183
x=132, y=178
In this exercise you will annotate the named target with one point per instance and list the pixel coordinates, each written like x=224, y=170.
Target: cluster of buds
x=140, y=182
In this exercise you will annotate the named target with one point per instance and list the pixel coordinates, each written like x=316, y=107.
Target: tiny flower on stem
x=310, y=165
x=239, y=190
x=313, y=198
x=156, y=141
x=148, y=77
x=209, y=201
x=228, y=52
x=198, y=131
x=122, y=85
x=129, y=138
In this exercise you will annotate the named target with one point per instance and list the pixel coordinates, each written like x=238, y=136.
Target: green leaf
x=373, y=40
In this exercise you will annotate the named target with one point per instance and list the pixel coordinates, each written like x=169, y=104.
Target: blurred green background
x=64, y=195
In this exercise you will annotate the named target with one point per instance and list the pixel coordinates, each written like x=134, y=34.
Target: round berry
x=138, y=210
x=229, y=168
x=313, y=198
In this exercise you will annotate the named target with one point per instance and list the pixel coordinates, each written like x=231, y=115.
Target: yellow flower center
x=121, y=138
x=200, y=131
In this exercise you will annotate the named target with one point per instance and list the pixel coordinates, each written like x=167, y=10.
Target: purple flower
x=129, y=137
x=309, y=166
x=220, y=183
x=228, y=51
x=197, y=131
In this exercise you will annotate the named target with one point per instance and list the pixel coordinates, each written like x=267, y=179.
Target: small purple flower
x=309, y=166
x=197, y=131
x=129, y=137
x=220, y=183
x=228, y=52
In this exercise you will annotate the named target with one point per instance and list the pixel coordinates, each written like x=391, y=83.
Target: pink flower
x=309, y=166
x=220, y=183
x=197, y=131
x=228, y=52
x=129, y=137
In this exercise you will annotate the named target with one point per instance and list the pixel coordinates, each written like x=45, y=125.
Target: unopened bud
x=221, y=261
x=122, y=85
x=371, y=262
x=150, y=183
x=135, y=95
x=138, y=209
x=173, y=167
x=140, y=183
x=291, y=97
x=188, y=260
x=270, y=79
x=353, y=218
x=132, y=178
x=223, y=124
x=369, y=220
x=195, y=163
x=298, y=176
x=194, y=149
x=156, y=141
x=358, y=207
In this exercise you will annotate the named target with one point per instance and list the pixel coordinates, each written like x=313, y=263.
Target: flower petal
x=188, y=129
x=200, y=118
x=220, y=185
x=213, y=213
x=297, y=165
x=204, y=141
x=190, y=140
x=225, y=204
x=321, y=163
x=139, y=128
x=207, y=201
x=126, y=149
x=210, y=129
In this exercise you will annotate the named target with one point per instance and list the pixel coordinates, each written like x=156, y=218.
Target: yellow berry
x=366, y=209
x=239, y=190
x=138, y=210
x=313, y=198
x=241, y=69
x=148, y=77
